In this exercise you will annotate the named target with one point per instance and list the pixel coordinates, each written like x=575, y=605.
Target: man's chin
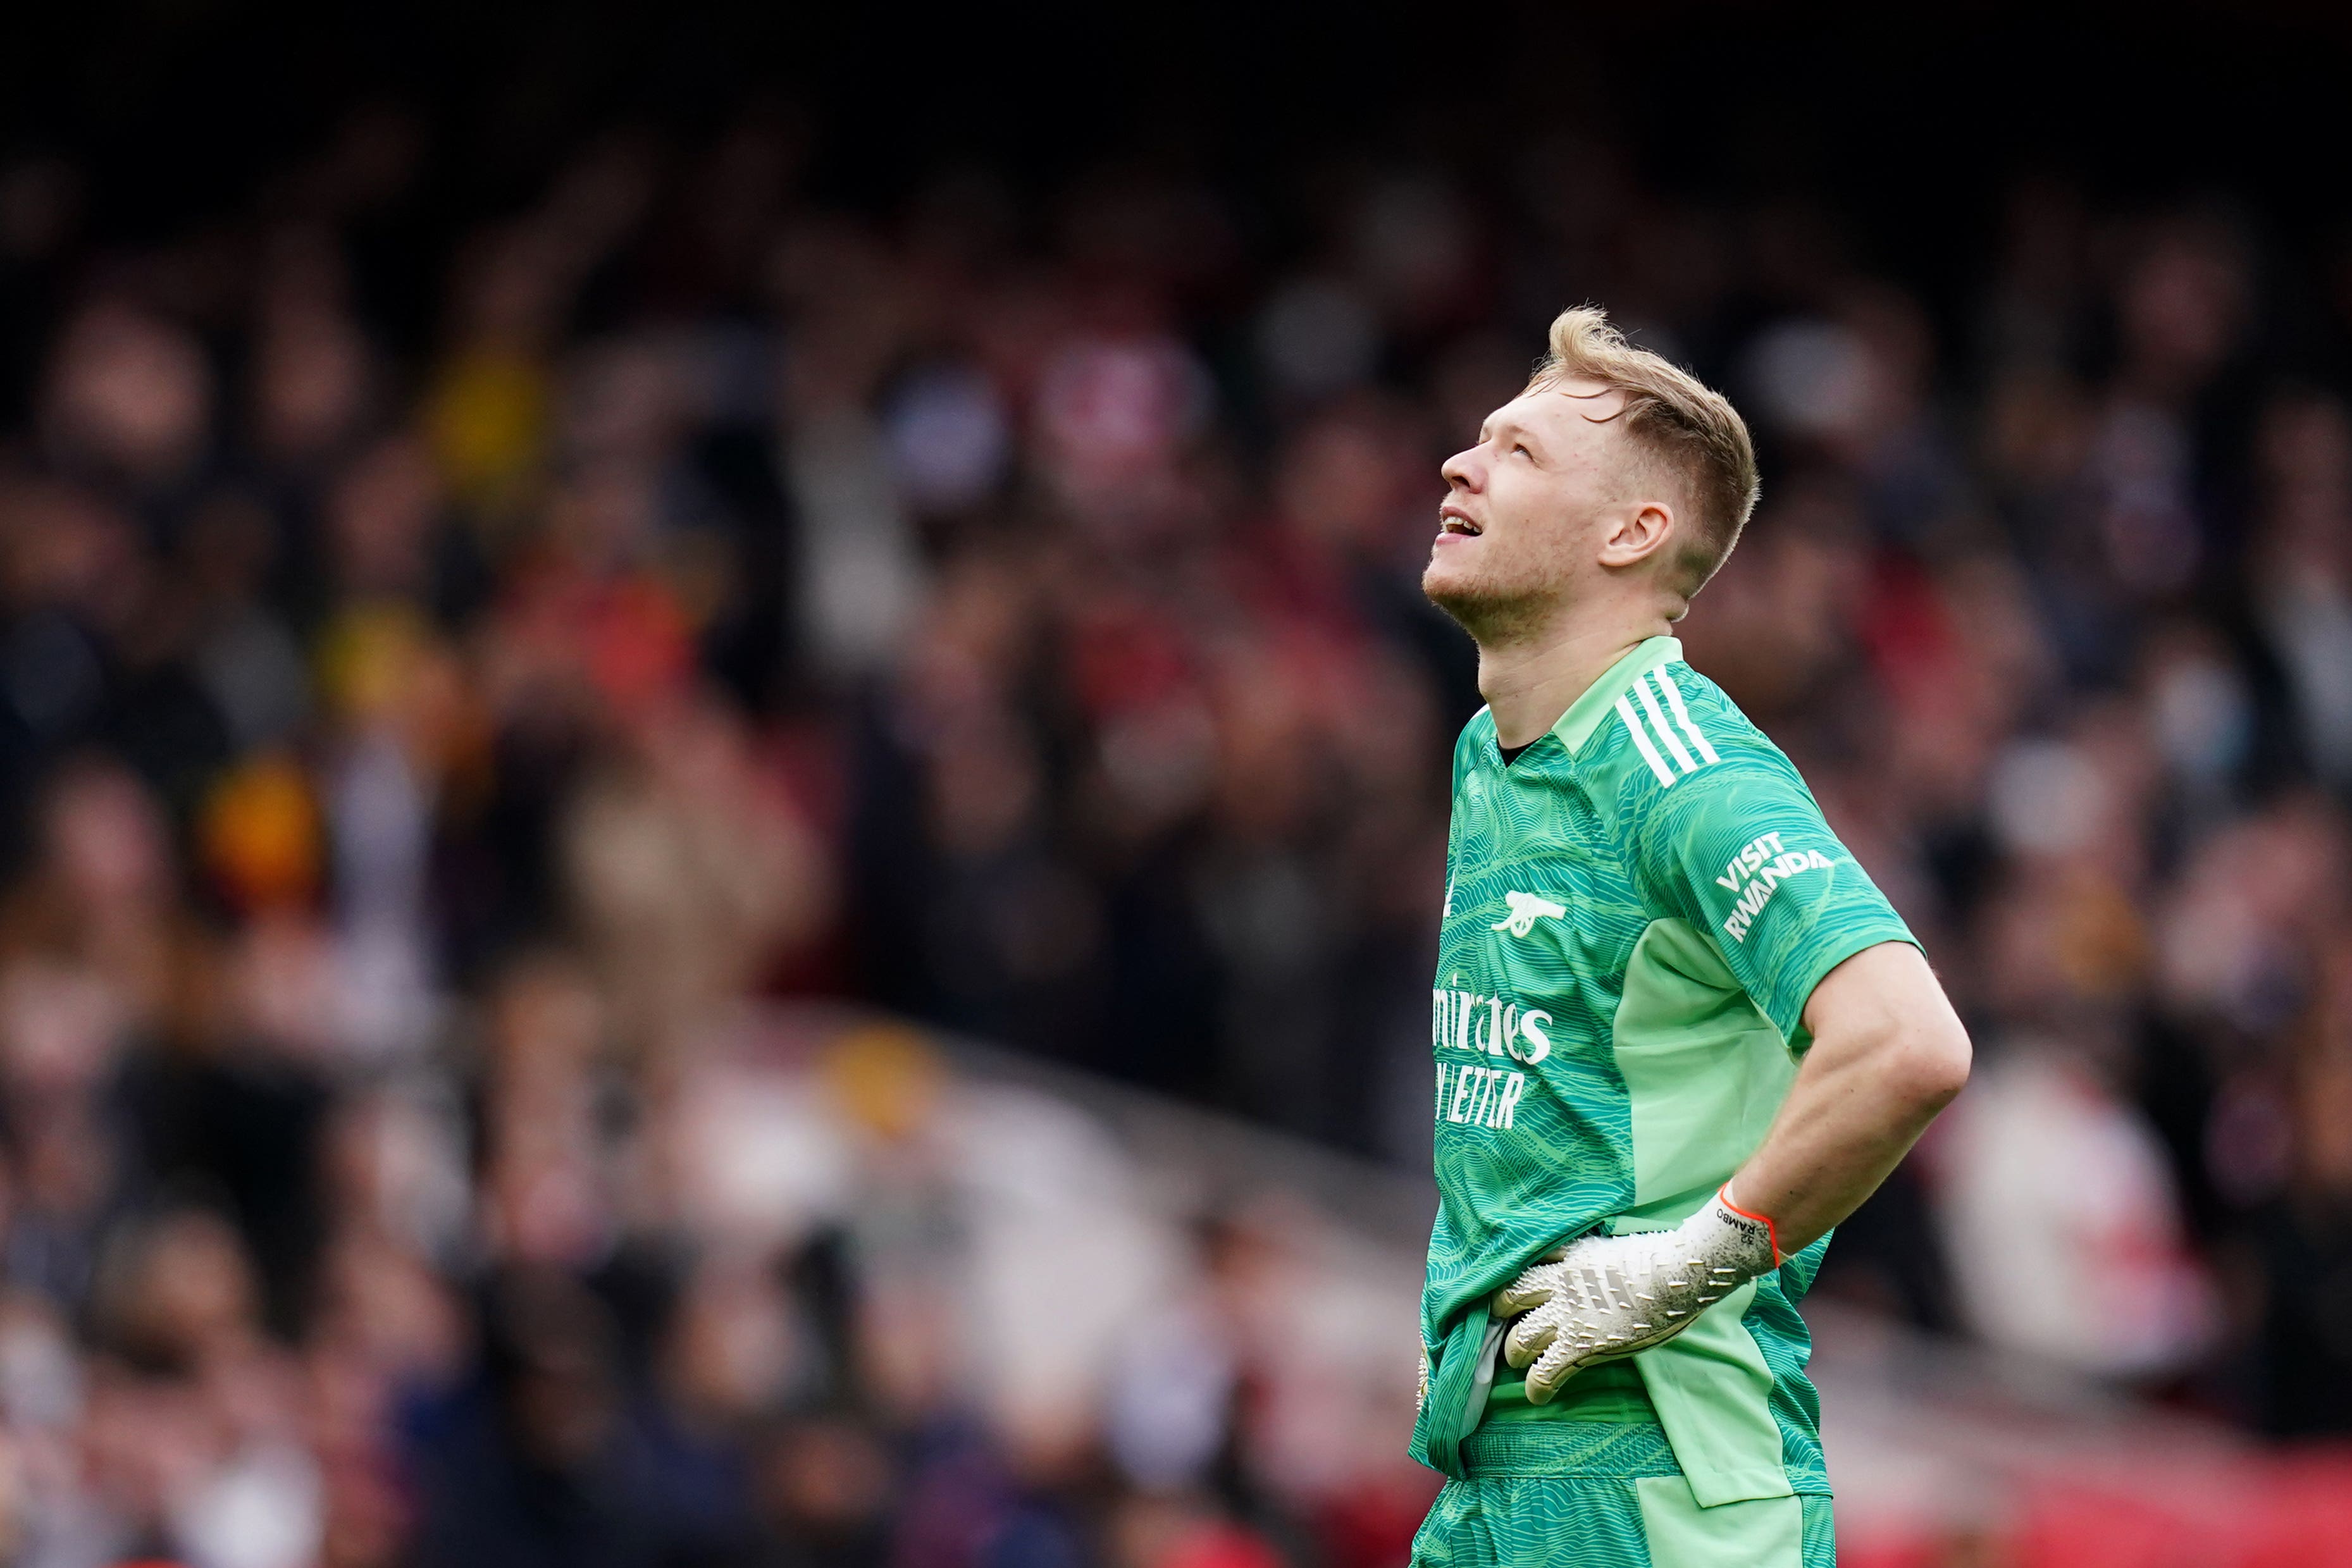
x=1488, y=614
x=1459, y=594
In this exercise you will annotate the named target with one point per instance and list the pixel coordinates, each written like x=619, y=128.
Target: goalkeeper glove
x=1602, y=1298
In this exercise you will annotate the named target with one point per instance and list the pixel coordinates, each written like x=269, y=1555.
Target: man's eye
x=1523, y=452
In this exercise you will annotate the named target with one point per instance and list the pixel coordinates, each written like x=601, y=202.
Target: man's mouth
x=1453, y=522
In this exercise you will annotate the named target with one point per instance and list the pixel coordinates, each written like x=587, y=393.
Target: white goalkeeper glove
x=1602, y=1298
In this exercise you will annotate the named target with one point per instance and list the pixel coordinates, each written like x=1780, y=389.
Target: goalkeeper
x=1679, y=1034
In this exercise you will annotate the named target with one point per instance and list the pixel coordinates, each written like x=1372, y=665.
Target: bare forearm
x=1888, y=1053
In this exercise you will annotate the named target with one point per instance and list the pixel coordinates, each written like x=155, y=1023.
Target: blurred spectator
x=2306, y=1240
x=823, y=1493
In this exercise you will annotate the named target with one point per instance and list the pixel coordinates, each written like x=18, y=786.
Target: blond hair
x=1676, y=419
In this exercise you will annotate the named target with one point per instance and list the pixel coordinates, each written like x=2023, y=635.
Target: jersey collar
x=1585, y=714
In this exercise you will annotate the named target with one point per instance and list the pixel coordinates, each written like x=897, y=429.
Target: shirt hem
x=1829, y=958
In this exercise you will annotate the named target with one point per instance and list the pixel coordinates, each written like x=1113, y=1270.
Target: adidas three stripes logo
x=1650, y=728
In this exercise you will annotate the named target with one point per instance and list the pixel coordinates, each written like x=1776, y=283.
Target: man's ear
x=1636, y=535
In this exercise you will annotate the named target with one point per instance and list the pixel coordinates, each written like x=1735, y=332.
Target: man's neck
x=1530, y=682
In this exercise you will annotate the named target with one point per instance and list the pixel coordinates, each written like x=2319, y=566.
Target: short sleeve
x=1740, y=849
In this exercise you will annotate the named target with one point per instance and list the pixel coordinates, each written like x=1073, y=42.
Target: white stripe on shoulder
x=1642, y=744
x=1681, y=714
x=1665, y=731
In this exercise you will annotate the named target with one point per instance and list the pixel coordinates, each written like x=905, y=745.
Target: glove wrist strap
x=1771, y=1231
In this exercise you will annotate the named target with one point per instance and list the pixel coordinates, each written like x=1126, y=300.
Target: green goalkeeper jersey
x=1637, y=908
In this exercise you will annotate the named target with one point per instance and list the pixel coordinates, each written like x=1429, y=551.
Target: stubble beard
x=1496, y=614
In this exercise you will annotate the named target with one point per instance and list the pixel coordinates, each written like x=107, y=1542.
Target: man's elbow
x=1928, y=1066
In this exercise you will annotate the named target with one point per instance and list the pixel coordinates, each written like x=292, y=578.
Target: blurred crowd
x=460, y=669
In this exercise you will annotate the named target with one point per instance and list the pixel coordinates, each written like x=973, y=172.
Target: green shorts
x=1606, y=1494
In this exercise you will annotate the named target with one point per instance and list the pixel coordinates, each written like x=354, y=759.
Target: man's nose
x=1462, y=469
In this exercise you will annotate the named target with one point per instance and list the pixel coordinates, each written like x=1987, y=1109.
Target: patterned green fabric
x=1610, y=1504
x=1509, y=1523
x=1637, y=910
x=1618, y=1450
x=1820, y=1532
x=1562, y=1494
